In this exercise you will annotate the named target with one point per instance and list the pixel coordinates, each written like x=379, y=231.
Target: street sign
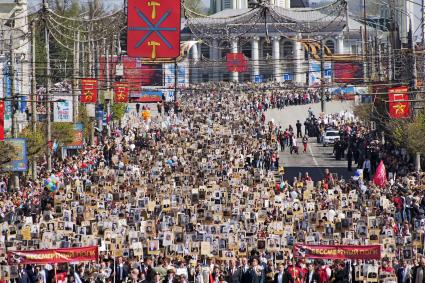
x=153, y=28
x=258, y=79
x=287, y=77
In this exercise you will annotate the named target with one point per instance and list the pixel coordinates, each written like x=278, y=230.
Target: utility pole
x=14, y=104
x=76, y=72
x=322, y=77
x=366, y=61
x=33, y=102
x=48, y=84
x=175, y=82
x=108, y=85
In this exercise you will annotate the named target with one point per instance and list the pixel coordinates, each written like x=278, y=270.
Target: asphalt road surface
x=317, y=158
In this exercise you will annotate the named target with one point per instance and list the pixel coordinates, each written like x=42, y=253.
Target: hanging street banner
x=236, y=62
x=51, y=256
x=153, y=28
x=62, y=109
x=78, y=141
x=314, y=74
x=88, y=90
x=19, y=162
x=121, y=92
x=399, y=106
x=367, y=252
x=182, y=74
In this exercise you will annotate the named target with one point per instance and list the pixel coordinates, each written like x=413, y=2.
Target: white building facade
x=275, y=55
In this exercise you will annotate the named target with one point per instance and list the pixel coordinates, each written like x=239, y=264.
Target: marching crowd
x=193, y=197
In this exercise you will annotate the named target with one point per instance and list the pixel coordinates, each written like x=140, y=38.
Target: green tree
x=118, y=111
x=63, y=133
x=36, y=141
x=415, y=133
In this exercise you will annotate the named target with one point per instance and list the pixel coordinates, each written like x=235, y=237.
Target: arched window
x=267, y=49
x=287, y=49
x=331, y=45
x=205, y=51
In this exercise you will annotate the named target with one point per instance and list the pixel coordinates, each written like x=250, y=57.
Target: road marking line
x=312, y=155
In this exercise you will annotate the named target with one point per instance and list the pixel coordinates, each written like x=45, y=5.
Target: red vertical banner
x=89, y=90
x=399, y=106
x=153, y=28
x=1, y=120
x=121, y=92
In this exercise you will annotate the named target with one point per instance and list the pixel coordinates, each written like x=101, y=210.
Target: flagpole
x=54, y=268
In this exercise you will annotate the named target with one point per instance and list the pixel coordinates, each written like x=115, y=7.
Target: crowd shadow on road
x=316, y=173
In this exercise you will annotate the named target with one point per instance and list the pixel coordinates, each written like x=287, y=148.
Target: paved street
x=317, y=158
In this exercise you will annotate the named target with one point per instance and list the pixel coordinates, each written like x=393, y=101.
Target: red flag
x=1, y=120
x=380, y=178
x=121, y=92
x=153, y=29
x=236, y=62
x=399, y=106
x=88, y=90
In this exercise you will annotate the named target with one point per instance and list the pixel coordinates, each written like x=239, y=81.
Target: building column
x=299, y=74
x=340, y=44
x=255, y=56
x=235, y=75
x=214, y=57
x=277, y=74
x=195, y=57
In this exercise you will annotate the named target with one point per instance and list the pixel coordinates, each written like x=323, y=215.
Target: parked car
x=330, y=136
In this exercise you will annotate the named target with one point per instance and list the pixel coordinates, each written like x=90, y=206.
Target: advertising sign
x=19, y=162
x=348, y=72
x=314, y=72
x=182, y=74
x=62, y=110
x=147, y=96
x=78, y=141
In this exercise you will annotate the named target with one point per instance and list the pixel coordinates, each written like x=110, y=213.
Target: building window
x=267, y=49
x=331, y=45
x=287, y=49
x=205, y=51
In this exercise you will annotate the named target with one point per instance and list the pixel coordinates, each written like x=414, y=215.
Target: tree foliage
x=415, y=133
x=363, y=112
x=36, y=141
x=63, y=133
x=118, y=111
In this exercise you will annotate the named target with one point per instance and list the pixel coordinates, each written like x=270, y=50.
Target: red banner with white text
x=89, y=90
x=53, y=255
x=399, y=106
x=338, y=251
x=121, y=92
